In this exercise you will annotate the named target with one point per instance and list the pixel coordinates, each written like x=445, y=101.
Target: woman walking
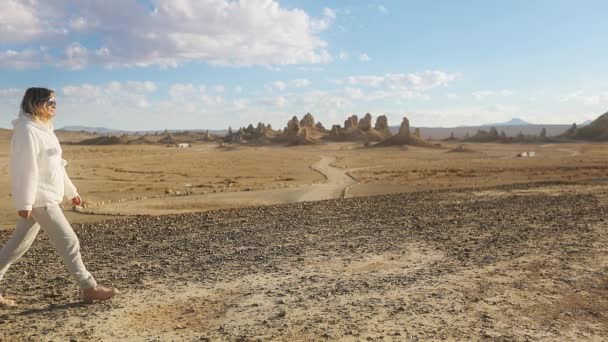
x=39, y=183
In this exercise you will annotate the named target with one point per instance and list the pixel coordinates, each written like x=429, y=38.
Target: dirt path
x=337, y=180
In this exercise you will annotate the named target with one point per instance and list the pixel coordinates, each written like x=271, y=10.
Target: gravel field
x=523, y=262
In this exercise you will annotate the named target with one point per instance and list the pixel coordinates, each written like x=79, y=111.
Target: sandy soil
x=524, y=262
x=392, y=170
x=116, y=181
x=334, y=186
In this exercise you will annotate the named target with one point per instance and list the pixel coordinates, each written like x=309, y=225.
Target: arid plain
x=119, y=180
x=454, y=243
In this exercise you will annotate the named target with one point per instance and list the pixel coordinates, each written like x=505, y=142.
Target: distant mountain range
x=512, y=122
x=99, y=130
x=104, y=130
x=511, y=128
x=520, y=122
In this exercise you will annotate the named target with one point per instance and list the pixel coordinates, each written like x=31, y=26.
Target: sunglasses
x=52, y=103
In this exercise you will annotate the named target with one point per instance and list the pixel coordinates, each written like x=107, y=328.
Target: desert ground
x=331, y=241
x=123, y=180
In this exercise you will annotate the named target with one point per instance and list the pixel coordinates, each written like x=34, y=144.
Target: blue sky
x=186, y=64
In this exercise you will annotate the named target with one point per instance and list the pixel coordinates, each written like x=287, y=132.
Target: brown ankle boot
x=98, y=293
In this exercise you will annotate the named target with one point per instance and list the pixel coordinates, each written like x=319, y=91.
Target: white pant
x=62, y=237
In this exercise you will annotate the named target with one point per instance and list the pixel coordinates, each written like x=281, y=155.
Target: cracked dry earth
x=526, y=262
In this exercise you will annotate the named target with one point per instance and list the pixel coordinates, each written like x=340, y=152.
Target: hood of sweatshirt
x=27, y=119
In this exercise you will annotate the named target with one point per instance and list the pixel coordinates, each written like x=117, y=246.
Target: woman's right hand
x=26, y=214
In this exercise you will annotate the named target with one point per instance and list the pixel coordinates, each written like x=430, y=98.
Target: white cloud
x=382, y=9
x=19, y=21
x=280, y=85
x=140, y=101
x=329, y=17
x=219, y=88
x=181, y=92
x=580, y=96
x=397, y=95
x=422, y=80
x=593, y=100
x=415, y=81
x=239, y=33
x=128, y=94
x=78, y=24
x=371, y=80
x=300, y=83
x=311, y=68
x=212, y=100
x=86, y=91
x=323, y=101
x=281, y=102
x=364, y=57
x=353, y=93
x=343, y=55
x=452, y=96
x=143, y=87
x=76, y=56
x=240, y=103
x=184, y=102
x=571, y=96
x=114, y=87
x=329, y=13
x=481, y=94
x=23, y=59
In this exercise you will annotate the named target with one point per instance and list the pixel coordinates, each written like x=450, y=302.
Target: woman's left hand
x=76, y=200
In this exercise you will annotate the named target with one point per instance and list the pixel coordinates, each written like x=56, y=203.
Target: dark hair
x=34, y=100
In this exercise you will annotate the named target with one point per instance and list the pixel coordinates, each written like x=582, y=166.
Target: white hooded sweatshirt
x=37, y=169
